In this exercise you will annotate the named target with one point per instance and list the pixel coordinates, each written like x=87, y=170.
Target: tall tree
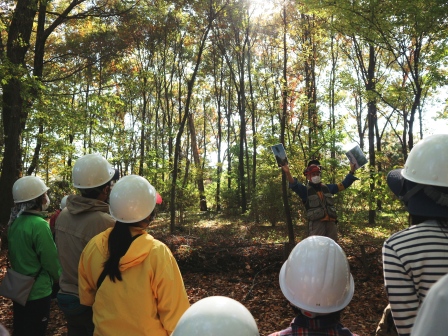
x=283, y=118
x=14, y=112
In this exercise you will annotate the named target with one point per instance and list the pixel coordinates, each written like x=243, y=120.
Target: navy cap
x=419, y=199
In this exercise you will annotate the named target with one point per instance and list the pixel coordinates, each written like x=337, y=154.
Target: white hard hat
x=92, y=170
x=28, y=188
x=63, y=202
x=217, y=316
x=431, y=317
x=3, y=331
x=427, y=161
x=316, y=277
x=132, y=199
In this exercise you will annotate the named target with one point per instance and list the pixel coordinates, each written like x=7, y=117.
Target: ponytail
x=120, y=239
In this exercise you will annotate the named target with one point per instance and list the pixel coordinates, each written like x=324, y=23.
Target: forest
x=192, y=94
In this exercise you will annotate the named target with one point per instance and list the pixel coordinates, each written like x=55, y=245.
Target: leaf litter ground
x=241, y=261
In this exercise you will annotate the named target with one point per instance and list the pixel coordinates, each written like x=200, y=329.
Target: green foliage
x=230, y=201
x=102, y=72
x=267, y=202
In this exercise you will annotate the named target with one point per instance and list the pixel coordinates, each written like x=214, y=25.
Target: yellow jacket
x=151, y=298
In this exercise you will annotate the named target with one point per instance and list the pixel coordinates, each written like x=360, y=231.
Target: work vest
x=317, y=208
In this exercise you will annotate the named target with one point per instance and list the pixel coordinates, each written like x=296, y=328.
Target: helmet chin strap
x=436, y=195
x=405, y=198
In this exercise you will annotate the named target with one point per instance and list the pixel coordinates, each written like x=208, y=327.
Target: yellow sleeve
x=168, y=287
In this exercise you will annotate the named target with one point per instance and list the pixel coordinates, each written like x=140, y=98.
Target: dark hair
x=152, y=215
x=415, y=219
x=94, y=192
x=336, y=315
x=38, y=202
x=313, y=162
x=120, y=239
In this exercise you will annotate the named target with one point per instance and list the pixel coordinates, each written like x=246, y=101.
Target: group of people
x=121, y=282
x=116, y=279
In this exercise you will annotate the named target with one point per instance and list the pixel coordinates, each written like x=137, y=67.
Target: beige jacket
x=81, y=220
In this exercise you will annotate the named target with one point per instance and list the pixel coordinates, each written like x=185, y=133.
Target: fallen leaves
x=220, y=264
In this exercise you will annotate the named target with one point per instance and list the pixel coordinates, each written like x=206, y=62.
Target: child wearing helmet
x=316, y=280
x=318, y=198
x=217, y=316
x=32, y=252
x=130, y=279
x=415, y=258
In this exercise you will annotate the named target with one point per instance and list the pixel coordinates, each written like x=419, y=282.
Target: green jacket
x=32, y=249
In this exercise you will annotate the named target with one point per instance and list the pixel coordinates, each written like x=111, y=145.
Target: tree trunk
x=229, y=123
x=283, y=119
x=197, y=164
x=142, y=131
x=242, y=137
x=372, y=119
x=14, y=113
x=253, y=104
x=37, y=72
x=310, y=85
x=177, y=148
x=331, y=103
x=219, y=140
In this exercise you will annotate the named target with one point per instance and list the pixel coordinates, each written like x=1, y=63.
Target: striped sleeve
x=403, y=299
x=413, y=260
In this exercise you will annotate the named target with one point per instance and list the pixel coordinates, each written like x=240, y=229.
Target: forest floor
x=241, y=260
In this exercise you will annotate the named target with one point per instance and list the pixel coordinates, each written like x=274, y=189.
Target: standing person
x=56, y=214
x=83, y=218
x=415, y=258
x=131, y=279
x=318, y=198
x=316, y=280
x=32, y=252
x=52, y=225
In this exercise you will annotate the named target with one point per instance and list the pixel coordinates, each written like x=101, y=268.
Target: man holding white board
x=318, y=198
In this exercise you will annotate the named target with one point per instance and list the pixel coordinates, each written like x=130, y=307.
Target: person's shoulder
x=157, y=244
x=159, y=250
x=414, y=230
x=38, y=220
x=105, y=215
x=397, y=235
x=100, y=215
